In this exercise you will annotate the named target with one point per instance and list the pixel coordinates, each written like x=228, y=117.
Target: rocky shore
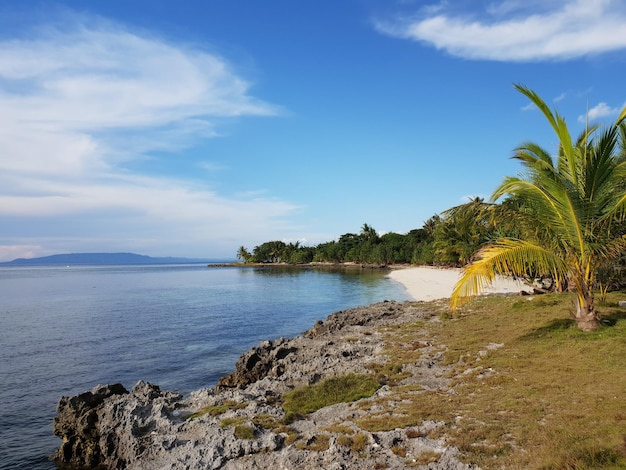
x=240, y=423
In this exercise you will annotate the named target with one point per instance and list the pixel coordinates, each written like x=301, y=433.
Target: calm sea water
x=65, y=329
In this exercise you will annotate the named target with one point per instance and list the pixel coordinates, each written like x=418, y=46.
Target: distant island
x=105, y=259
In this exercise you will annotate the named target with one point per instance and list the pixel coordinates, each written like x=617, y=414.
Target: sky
x=193, y=127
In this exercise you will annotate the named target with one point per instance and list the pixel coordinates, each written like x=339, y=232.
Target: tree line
x=446, y=239
x=562, y=219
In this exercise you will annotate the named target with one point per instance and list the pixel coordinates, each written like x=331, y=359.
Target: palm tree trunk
x=586, y=317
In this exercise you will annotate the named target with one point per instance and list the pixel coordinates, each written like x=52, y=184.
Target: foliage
x=342, y=389
x=464, y=230
x=517, y=400
x=366, y=247
x=243, y=254
x=318, y=443
x=574, y=204
x=243, y=431
x=268, y=252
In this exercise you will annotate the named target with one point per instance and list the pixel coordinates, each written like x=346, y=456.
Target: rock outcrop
x=77, y=425
x=238, y=423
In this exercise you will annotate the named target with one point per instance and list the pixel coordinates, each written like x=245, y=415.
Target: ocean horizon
x=64, y=330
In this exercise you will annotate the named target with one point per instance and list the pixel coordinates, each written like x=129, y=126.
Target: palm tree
x=462, y=231
x=575, y=199
x=243, y=254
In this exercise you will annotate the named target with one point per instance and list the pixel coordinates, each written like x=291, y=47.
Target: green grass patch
x=243, y=431
x=342, y=389
x=355, y=443
x=266, y=421
x=551, y=397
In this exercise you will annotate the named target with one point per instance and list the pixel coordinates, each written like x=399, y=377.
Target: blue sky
x=190, y=128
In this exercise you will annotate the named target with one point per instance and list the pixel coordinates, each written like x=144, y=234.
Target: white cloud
x=508, y=31
x=80, y=102
x=599, y=111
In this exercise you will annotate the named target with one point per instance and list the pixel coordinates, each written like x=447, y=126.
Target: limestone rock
x=77, y=426
x=240, y=425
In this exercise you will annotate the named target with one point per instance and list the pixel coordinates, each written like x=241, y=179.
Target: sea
x=65, y=329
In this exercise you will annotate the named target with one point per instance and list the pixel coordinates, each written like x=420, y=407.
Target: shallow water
x=65, y=329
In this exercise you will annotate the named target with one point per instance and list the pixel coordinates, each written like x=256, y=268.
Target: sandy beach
x=427, y=283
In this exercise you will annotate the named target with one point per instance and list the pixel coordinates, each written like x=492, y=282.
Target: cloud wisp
x=78, y=104
x=599, y=111
x=510, y=31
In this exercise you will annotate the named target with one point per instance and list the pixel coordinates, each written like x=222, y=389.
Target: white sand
x=425, y=283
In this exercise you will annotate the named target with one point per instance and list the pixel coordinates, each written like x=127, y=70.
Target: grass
x=266, y=421
x=548, y=396
x=339, y=428
x=228, y=422
x=243, y=431
x=341, y=389
x=390, y=373
x=318, y=443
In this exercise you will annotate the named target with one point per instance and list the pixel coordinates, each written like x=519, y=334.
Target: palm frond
x=506, y=257
x=534, y=156
x=621, y=117
x=556, y=121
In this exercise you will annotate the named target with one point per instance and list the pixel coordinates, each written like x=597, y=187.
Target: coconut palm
x=575, y=200
x=243, y=254
x=462, y=231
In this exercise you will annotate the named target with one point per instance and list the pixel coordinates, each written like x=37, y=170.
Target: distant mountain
x=104, y=259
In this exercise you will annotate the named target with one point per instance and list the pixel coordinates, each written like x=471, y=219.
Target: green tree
x=423, y=241
x=462, y=231
x=368, y=233
x=268, y=252
x=243, y=254
x=576, y=198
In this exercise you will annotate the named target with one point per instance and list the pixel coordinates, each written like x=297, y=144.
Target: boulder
x=77, y=425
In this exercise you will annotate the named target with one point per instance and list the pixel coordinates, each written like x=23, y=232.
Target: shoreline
x=147, y=428
x=150, y=428
x=425, y=283
x=422, y=283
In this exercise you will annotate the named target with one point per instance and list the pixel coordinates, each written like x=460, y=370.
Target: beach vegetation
x=359, y=441
x=389, y=373
x=355, y=443
x=515, y=398
x=243, y=254
x=334, y=390
x=266, y=421
x=318, y=443
x=228, y=422
x=340, y=428
x=462, y=231
x=571, y=209
x=243, y=431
